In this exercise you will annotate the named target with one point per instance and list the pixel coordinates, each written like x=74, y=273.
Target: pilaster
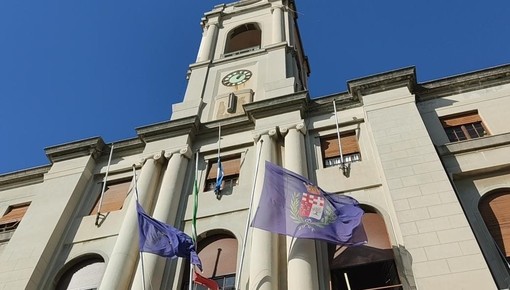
x=124, y=256
x=302, y=260
x=31, y=249
x=263, y=254
x=165, y=210
x=429, y=243
x=277, y=24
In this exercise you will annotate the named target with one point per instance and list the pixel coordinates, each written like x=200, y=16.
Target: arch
x=84, y=272
x=368, y=266
x=217, y=250
x=494, y=208
x=244, y=37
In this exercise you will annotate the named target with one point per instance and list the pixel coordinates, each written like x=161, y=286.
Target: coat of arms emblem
x=311, y=209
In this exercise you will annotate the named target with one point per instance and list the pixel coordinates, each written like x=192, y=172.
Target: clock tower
x=250, y=51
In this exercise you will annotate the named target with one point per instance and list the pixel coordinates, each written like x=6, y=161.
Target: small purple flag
x=164, y=240
x=291, y=205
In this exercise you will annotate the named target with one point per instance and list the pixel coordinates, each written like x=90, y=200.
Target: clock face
x=236, y=77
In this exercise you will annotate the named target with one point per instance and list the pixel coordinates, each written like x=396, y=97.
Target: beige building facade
x=428, y=162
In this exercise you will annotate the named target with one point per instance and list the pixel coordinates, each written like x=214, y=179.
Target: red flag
x=209, y=283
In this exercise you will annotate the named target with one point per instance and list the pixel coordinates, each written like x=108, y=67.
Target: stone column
x=208, y=42
x=263, y=254
x=124, y=256
x=302, y=260
x=165, y=210
x=277, y=24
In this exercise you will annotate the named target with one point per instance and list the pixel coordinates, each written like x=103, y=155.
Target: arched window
x=246, y=37
x=370, y=266
x=82, y=273
x=218, y=253
x=495, y=211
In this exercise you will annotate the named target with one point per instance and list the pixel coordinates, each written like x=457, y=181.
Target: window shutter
x=14, y=214
x=329, y=145
x=230, y=167
x=113, y=198
x=495, y=211
x=458, y=120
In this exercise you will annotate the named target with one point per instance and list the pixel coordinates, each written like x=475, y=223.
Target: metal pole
x=104, y=186
x=191, y=276
x=338, y=135
x=219, y=140
x=193, y=227
x=347, y=281
x=241, y=262
x=141, y=254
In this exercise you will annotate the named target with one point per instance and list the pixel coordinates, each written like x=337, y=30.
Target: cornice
x=22, y=177
x=92, y=146
x=464, y=83
x=383, y=82
x=324, y=105
x=228, y=126
x=246, y=6
x=168, y=129
x=123, y=147
x=245, y=55
x=279, y=105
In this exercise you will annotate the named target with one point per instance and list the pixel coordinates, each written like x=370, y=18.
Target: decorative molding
x=228, y=126
x=173, y=128
x=301, y=127
x=169, y=155
x=324, y=104
x=383, y=82
x=467, y=82
x=273, y=133
x=159, y=157
x=186, y=152
x=279, y=105
x=92, y=146
x=24, y=177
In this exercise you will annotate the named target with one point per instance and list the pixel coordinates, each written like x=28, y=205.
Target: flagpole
x=104, y=186
x=194, y=219
x=241, y=262
x=338, y=135
x=219, y=168
x=219, y=140
x=141, y=253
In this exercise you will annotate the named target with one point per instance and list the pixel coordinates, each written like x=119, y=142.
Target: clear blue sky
x=74, y=69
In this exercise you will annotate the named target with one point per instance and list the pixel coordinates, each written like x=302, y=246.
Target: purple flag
x=291, y=205
x=164, y=240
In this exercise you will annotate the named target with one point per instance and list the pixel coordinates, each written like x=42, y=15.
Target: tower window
x=231, y=166
x=244, y=38
x=331, y=151
x=464, y=126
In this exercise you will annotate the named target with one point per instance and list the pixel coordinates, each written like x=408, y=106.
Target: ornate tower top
x=250, y=51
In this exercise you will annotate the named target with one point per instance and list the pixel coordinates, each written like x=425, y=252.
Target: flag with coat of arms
x=291, y=205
